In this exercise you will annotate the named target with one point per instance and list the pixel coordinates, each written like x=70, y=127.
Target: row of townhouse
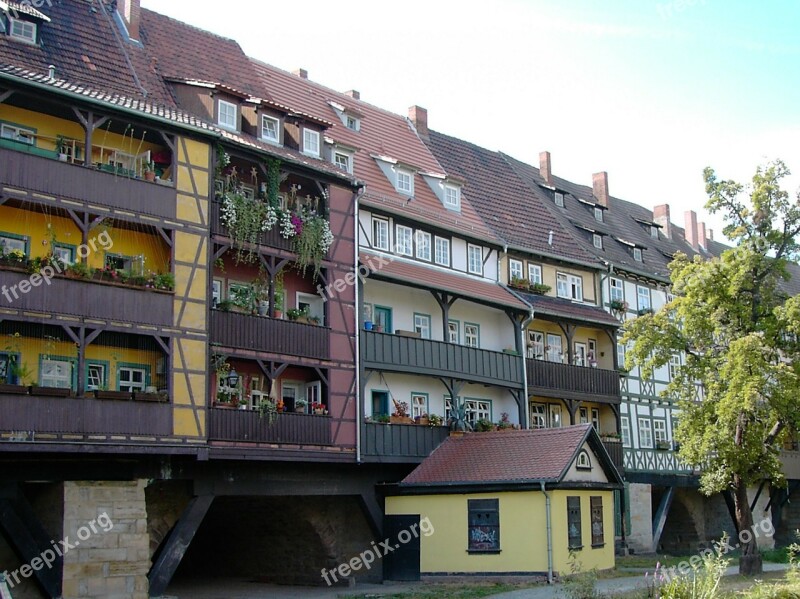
x=222, y=283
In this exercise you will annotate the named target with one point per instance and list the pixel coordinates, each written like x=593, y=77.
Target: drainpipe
x=523, y=328
x=549, y=534
x=359, y=416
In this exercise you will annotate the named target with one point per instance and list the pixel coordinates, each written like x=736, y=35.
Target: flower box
x=50, y=391
x=401, y=420
x=423, y=420
x=100, y=394
x=13, y=389
x=663, y=445
x=157, y=397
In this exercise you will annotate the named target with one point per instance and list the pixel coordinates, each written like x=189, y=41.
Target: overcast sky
x=651, y=92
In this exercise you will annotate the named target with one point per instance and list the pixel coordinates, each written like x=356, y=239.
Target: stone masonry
x=108, y=561
x=640, y=536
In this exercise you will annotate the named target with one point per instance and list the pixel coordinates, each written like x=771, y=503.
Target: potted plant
x=300, y=405
x=618, y=305
x=644, y=311
x=383, y=419
x=367, y=325
x=458, y=418
x=435, y=420
x=540, y=288
x=61, y=148
x=504, y=423
x=279, y=293
x=519, y=283
x=149, y=169
x=268, y=409
x=400, y=414
x=318, y=407
x=663, y=445
x=484, y=425
x=225, y=305
x=422, y=420
x=105, y=393
x=314, y=320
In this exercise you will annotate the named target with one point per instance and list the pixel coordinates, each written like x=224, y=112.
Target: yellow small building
x=513, y=502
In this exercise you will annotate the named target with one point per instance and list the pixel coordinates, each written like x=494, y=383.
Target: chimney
x=130, y=13
x=711, y=234
x=690, y=229
x=701, y=235
x=600, y=187
x=302, y=73
x=356, y=95
x=661, y=217
x=545, y=167
x=419, y=116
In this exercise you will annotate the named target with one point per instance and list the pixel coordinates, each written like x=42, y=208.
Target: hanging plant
x=312, y=242
x=273, y=182
x=245, y=218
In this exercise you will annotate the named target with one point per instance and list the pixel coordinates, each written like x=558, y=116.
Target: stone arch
x=681, y=533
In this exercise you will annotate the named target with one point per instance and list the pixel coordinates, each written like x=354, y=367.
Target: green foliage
x=483, y=425
x=579, y=584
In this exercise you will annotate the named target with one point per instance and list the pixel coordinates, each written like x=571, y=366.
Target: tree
x=737, y=328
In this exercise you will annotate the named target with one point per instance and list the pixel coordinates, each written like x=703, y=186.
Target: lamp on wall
x=233, y=378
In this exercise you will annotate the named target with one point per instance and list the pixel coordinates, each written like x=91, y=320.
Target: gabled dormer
x=350, y=118
x=216, y=102
x=447, y=189
x=21, y=22
x=400, y=175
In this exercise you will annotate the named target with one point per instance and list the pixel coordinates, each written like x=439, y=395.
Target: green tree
x=737, y=328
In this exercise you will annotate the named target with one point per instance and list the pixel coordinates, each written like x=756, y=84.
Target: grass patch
x=446, y=591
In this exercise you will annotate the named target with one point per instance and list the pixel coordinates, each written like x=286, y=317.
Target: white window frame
x=597, y=241
x=379, y=227
x=405, y=176
x=403, y=240
x=475, y=268
x=514, y=269
x=477, y=409
x=659, y=430
x=419, y=405
x=674, y=366
x=9, y=244
x=442, y=251
x=422, y=325
x=472, y=335
x=556, y=419
x=130, y=384
x=538, y=415
x=640, y=305
x=311, y=145
x=558, y=198
x=20, y=134
x=57, y=380
x=637, y=254
x=224, y=123
x=569, y=286
x=554, y=350
x=535, y=345
x=616, y=289
x=343, y=160
x=452, y=197
x=598, y=214
x=645, y=433
x=453, y=332
x=350, y=119
x=423, y=249
x=583, y=462
x=265, y=118
x=625, y=431
x=26, y=26
x=102, y=379
x=535, y=273
x=621, y=349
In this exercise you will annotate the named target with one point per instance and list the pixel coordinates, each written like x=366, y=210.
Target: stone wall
x=639, y=505
x=107, y=523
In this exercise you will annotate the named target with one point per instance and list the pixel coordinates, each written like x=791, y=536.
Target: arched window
x=584, y=462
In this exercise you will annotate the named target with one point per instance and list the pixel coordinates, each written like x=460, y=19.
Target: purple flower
x=298, y=224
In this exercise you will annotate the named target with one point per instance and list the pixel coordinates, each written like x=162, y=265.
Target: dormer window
x=311, y=142
x=351, y=122
x=270, y=129
x=598, y=215
x=654, y=232
x=227, y=115
x=405, y=182
x=559, y=199
x=597, y=241
x=343, y=160
x=22, y=30
x=452, y=197
x=637, y=254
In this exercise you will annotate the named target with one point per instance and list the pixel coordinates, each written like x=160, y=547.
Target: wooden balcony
x=248, y=426
x=26, y=416
x=47, y=176
x=614, y=449
x=552, y=379
x=395, y=353
x=273, y=335
x=408, y=443
x=272, y=238
x=80, y=297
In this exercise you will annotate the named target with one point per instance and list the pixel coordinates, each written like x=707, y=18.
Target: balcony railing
x=248, y=426
x=78, y=297
x=259, y=333
x=382, y=351
x=42, y=175
x=400, y=442
x=271, y=238
x=30, y=414
x=553, y=379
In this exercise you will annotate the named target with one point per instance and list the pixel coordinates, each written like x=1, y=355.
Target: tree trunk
x=750, y=563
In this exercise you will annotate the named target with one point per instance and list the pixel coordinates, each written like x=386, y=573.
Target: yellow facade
x=605, y=349
x=608, y=420
x=523, y=531
x=550, y=273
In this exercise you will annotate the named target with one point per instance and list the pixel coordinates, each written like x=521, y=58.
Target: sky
x=651, y=92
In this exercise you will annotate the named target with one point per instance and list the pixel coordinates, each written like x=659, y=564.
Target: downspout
x=523, y=328
x=549, y=534
x=356, y=197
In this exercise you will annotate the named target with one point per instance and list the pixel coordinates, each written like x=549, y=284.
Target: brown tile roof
x=563, y=308
x=501, y=456
x=505, y=202
x=468, y=287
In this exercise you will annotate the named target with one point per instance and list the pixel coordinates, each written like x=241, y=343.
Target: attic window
x=452, y=197
x=311, y=142
x=637, y=254
x=598, y=215
x=352, y=122
x=22, y=30
x=270, y=129
x=654, y=232
x=597, y=241
x=405, y=182
x=226, y=115
x=559, y=199
x=583, y=462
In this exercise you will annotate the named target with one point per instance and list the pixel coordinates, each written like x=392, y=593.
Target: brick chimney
x=711, y=234
x=661, y=217
x=600, y=188
x=302, y=73
x=130, y=13
x=690, y=229
x=356, y=95
x=701, y=235
x=419, y=116
x=546, y=167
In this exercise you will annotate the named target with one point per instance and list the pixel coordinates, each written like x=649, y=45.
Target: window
x=621, y=355
x=642, y=298
x=597, y=241
x=574, y=522
x=637, y=254
x=10, y=244
x=380, y=403
x=452, y=332
x=583, y=416
x=442, y=251
x=555, y=416
x=270, y=129
x=538, y=415
x=674, y=366
x=645, y=433
x=405, y=182
x=380, y=234
x=8, y=371
x=23, y=30
x=452, y=197
x=216, y=292
x=484, y=525
x=596, y=503
x=351, y=122
x=226, y=115
x=403, y=241
x=598, y=214
x=553, y=347
x=475, y=259
x=132, y=378
x=343, y=161
x=535, y=274
x=419, y=404
x=596, y=419
x=313, y=392
x=559, y=199
x=65, y=253
x=569, y=286
x=583, y=462
x=423, y=240
x=472, y=334
x=477, y=410
x=617, y=290
x=579, y=354
x=625, y=431
x=27, y=136
x=311, y=142
x=514, y=269
x=654, y=232
x=536, y=345
x=95, y=376
x=422, y=325
x=134, y=264
x=56, y=373
x=660, y=431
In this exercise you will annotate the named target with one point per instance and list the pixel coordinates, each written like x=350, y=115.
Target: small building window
x=404, y=244
x=597, y=241
x=625, y=431
x=514, y=269
x=352, y=122
x=637, y=254
x=227, y=115
x=132, y=378
x=596, y=504
x=311, y=142
x=645, y=433
x=538, y=415
x=472, y=335
x=422, y=325
x=583, y=462
x=569, y=286
x=654, y=232
x=442, y=251
x=419, y=405
x=598, y=214
x=95, y=376
x=484, y=525
x=643, y=298
x=380, y=234
x=16, y=133
x=270, y=129
x=22, y=30
x=452, y=197
x=535, y=274
x=405, y=182
x=344, y=161
x=11, y=243
x=423, y=240
x=475, y=259
x=617, y=290
x=559, y=199
x=56, y=373
x=574, y=523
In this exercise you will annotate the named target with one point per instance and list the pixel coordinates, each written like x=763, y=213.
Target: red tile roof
x=501, y=456
x=563, y=308
x=468, y=287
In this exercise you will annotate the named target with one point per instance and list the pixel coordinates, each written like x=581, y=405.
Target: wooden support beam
x=445, y=301
x=373, y=512
x=5, y=95
x=165, y=236
x=728, y=496
x=177, y=543
x=758, y=494
x=322, y=376
x=660, y=518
